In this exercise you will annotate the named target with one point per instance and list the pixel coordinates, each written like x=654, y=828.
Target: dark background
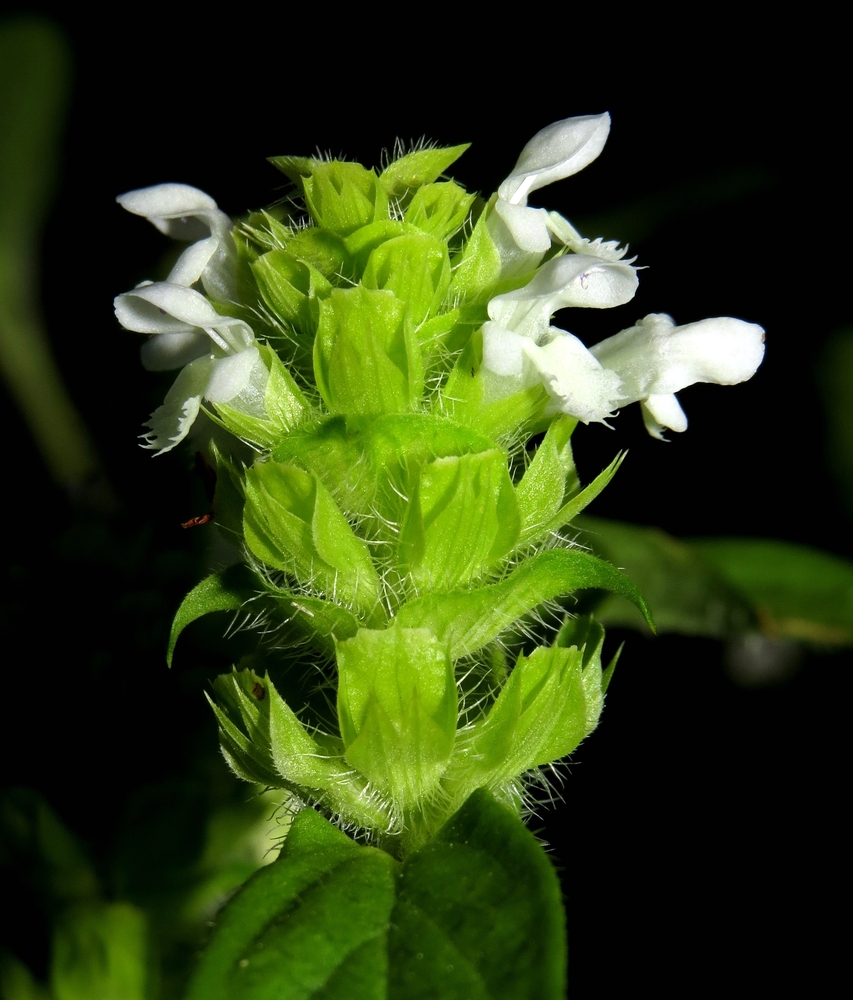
x=699, y=836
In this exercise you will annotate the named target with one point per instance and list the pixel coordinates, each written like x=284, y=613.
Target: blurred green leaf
x=722, y=588
x=101, y=951
x=797, y=592
x=686, y=593
x=34, y=82
x=34, y=840
x=17, y=982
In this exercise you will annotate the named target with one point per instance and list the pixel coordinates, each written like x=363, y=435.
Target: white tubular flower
x=656, y=358
x=647, y=363
x=219, y=356
x=185, y=213
x=523, y=234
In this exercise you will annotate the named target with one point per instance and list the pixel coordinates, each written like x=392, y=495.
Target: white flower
x=522, y=234
x=218, y=354
x=185, y=213
x=647, y=363
x=656, y=358
x=569, y=281
x=565, y=233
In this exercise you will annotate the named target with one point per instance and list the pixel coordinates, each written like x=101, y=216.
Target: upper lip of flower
x=554, y=153
x=185, y=213
x=571, y=280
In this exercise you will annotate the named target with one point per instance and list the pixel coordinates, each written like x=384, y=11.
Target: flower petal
x=170, y=423
x=232, y=375
x=528, y=227
x=190, y=266
x=663, y=412
x=580, y=385
x=572, y=280
x=164, y=307
x=503, y=351
x=558, y=151
x=656, y=357
x=566, y=234
x=178, y=210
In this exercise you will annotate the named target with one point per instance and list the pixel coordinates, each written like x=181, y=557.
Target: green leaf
x=102, y=950
x=36, y=81
x=569, y=511
x=539, y=716
x=416, y=268
x=467, y=620
x=474, y=915
x=264, y=741
x=688, y=594
x=341, y=196
x=323, y=621
x=797, y=592
x=291, y=288
x=361, y=244
x=477, y=270
x=333, y=449
x=16, y=980
x=549, y=476
x=466, y=399
x=479, y=914
x=324, y=252
x=228, y=590
x=33, y=837
x=313, y=924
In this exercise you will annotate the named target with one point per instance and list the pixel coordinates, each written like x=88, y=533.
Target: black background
x=699, y=838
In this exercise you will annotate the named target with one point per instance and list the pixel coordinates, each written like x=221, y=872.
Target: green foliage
x=100, y=952
x=475, y=914
x=225, y=591
x=469, y=619
x=727, y=587
x=685, y=591
x=35, y=81
x=796, y=592
x=397, y=710
x=462, y=518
